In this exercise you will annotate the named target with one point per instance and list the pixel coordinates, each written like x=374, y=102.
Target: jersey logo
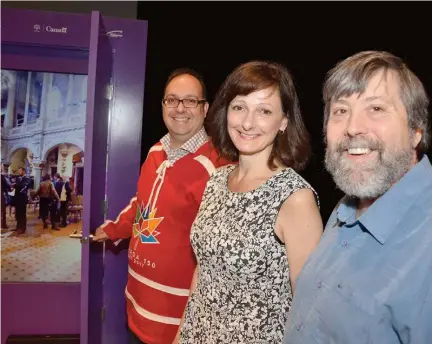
x=145, y=224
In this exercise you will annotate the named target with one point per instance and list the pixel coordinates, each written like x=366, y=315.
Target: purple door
x=129, y=46
x=112, y=52
x=98, y=106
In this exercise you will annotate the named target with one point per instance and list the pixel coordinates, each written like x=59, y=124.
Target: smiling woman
x=271, y=88
x=254, y=121
x=259, y=219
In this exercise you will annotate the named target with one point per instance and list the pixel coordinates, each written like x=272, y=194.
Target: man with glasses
x=159, y=218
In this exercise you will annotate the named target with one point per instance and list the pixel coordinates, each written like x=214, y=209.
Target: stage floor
x=40, y=255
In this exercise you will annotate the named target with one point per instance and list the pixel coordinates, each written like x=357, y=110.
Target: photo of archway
x=43, y=119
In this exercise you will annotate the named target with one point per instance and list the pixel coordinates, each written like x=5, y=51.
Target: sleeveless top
x=243, y=291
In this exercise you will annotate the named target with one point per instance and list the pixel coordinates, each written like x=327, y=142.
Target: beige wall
x=18, y=159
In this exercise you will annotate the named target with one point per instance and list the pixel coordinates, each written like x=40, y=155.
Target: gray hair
x=353, y=74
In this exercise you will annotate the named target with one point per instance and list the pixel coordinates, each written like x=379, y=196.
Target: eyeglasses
x=188, y=102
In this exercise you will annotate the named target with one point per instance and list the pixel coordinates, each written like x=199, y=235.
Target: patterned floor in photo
x=40, y=255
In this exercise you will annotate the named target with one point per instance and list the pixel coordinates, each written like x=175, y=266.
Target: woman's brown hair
x=292, y=147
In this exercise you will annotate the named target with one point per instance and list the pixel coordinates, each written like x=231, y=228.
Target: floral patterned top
x=243, y=292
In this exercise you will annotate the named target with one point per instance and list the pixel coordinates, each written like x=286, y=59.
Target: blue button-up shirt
x=370, y=279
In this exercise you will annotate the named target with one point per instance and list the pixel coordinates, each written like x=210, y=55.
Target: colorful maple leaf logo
x=145, y=225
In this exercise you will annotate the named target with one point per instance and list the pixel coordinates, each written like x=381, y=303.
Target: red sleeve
x=121, y=228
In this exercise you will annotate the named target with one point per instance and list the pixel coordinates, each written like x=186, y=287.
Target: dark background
x=308, y=37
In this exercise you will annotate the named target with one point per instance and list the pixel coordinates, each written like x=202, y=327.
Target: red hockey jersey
x=161, y=259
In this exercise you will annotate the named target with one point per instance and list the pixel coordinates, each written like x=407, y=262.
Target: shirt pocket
x=343, y=315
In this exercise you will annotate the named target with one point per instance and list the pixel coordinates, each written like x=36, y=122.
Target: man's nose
x=356, y=125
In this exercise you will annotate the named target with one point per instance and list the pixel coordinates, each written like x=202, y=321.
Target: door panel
x=98, y=105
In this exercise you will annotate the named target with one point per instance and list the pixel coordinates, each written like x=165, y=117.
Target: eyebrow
x=258, y=104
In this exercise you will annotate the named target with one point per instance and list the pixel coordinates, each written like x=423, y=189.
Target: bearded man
x=370, y=278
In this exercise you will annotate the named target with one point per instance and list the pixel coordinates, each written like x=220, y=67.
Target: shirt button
x=298, y=327
x=319, y=284
x=340, y=285
x=344, y=243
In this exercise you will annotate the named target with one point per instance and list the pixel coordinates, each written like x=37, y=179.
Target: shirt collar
x=346, y=210
x=388, y=210
x=190, y=145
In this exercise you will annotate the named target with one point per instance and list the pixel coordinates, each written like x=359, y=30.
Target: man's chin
x=358, y=175
x=361, y=191
x=361, y=184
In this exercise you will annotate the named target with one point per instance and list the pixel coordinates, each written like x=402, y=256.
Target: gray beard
x=368, y=180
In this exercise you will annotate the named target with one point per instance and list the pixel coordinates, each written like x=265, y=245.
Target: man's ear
x=206, y=107
x=417, y=137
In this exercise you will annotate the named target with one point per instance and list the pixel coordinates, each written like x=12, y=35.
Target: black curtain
x=308, y=37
